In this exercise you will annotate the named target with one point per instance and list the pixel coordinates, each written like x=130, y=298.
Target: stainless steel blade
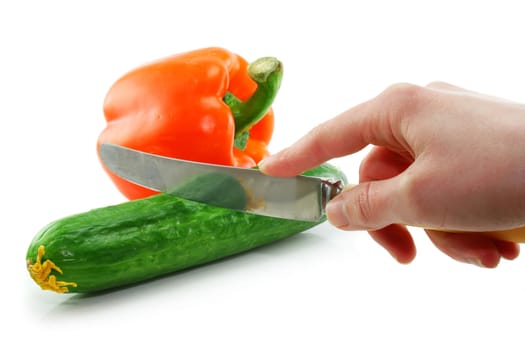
x=299, y=198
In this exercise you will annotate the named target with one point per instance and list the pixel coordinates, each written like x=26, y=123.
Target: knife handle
x=516, y=235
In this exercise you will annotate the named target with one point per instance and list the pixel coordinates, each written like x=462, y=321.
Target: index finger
x=378, y=121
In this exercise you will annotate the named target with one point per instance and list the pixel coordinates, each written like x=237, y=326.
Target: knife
x=298, y=198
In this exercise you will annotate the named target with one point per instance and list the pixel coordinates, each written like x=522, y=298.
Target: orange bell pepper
x=207, y=105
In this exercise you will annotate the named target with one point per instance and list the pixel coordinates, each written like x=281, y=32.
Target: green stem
x=267, y=72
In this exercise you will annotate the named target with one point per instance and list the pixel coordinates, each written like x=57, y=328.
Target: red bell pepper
x=207, y=105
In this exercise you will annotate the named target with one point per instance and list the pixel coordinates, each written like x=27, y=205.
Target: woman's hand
x=443, y=158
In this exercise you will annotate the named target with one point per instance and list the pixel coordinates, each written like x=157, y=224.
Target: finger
x=374, y=203
x=368, y=206
x=469, y=248
x=508, y=250
x=377, y=122
x=382, y=163
x=396, y=239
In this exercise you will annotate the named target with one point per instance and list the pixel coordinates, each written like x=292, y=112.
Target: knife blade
x=297, y=198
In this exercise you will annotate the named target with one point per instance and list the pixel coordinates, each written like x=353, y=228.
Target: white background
x=324, y=289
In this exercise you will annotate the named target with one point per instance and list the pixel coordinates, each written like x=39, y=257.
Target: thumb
x=367, y=206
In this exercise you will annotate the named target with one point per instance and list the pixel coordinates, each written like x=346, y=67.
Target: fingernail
x=475, y=261
x=336, y=213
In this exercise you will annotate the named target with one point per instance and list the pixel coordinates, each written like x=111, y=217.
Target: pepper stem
x=267, y=72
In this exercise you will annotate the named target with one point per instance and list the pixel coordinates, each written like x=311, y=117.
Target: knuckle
x=404, y=99
x=402, y=91
x=438, y=84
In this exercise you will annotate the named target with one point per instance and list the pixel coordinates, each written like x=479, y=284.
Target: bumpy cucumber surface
x=138, y=240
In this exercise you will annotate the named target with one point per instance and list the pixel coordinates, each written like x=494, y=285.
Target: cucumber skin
x=138, y=240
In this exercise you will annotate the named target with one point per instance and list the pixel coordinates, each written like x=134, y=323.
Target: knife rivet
x=330, y=189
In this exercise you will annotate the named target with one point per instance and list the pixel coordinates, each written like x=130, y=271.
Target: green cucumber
x=138, y=240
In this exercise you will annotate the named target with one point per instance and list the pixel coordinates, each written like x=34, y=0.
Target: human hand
x=442, y=157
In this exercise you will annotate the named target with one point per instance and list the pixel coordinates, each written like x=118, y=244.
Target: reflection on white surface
x=324, y=289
